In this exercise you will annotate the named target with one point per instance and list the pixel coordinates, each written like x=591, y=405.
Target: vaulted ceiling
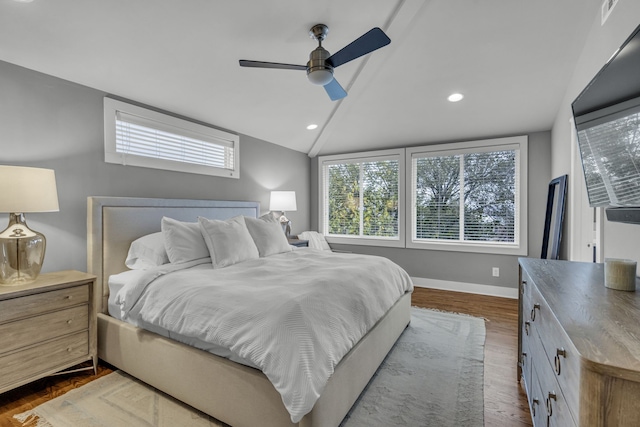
x=511, y=59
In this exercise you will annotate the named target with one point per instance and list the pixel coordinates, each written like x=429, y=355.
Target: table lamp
x=24, y=189
x=283, y=201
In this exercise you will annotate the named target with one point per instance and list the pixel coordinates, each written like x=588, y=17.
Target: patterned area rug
x=433, y=376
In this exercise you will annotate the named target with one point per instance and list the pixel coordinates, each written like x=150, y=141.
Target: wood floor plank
x=505, y=403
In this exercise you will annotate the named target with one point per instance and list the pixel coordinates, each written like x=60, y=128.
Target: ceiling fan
x=321, y=64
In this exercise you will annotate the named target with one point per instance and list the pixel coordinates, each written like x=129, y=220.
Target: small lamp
x=24, y=189
x=283, y=201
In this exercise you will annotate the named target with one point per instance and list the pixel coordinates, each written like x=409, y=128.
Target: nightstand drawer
x=30, y=305
x=21, y=365
x=25, y=332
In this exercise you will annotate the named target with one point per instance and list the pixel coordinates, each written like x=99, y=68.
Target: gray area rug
x=433, y=376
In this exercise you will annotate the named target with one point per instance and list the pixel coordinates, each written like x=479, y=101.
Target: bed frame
x=235, y=394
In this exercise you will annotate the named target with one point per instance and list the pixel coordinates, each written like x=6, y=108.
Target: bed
x=231, y=392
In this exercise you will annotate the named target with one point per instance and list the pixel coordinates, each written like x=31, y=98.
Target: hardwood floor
x=505, y=403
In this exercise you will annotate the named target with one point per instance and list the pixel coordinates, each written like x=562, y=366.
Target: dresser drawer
x=562, y=357
x=525, y=359
x=553, y=401
x=31, y=305
x=32, y=330
x=52, y=355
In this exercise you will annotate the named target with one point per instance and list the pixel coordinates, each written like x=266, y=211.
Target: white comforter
x=294, y=315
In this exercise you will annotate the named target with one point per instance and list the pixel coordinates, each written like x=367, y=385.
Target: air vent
x=607, y=7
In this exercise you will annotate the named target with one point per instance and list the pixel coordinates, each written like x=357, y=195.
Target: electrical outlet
x=496, y=272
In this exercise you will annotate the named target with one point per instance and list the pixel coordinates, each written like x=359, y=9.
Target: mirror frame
x=554, y=218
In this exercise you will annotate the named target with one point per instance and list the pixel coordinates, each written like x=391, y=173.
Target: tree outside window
x=362, y=198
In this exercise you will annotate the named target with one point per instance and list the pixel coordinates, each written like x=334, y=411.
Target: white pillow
x=269, y=217
x=267, y=236
x=183, y=240
x=147, y=252
x=229, y=241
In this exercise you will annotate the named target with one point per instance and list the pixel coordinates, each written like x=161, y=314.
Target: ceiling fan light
x=320, y=77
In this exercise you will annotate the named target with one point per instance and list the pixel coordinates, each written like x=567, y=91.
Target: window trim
x=113, y=106
x=497, y=144
x=396, y=154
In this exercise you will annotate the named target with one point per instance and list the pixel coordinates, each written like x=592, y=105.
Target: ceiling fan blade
x=368, y=42
x=334, y=90
x=260, y=64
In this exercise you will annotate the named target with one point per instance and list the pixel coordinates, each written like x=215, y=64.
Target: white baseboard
x=470, y=288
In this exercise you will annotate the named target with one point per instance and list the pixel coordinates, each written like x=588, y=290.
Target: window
x=138, y=136
x=469, y=196
x=361, y=198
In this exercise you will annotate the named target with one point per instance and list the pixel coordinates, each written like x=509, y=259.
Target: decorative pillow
x=269, y=217
x=229, y=241
x=183, y=240
x=147, y=252
x=267, y=236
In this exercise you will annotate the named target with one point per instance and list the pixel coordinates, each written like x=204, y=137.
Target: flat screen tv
x=607, y=119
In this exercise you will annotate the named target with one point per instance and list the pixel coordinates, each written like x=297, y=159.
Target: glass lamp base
x=21, y=252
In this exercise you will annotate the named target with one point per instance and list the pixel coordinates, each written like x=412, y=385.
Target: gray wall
x=52, y=123
x=468, y=267
x=620, y=240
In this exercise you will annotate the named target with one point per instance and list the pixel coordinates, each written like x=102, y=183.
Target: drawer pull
x=533, y=312
x=560, y=352
x=522, y=359
x=552, y=395
x=534, y=404
x=69, y=297
x=69, y=321
x=527, y=325
x=69, y=349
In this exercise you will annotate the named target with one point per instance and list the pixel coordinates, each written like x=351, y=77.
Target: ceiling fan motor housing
x=318, y=71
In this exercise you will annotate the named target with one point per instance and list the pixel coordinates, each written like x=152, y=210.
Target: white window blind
x=140, y=137
x=361, y=197
x=469, y=196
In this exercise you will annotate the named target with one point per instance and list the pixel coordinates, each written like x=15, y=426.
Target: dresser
x=579, y=346
x=46, y=326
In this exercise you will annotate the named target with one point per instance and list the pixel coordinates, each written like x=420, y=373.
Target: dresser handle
x=534, y=403
x=527, y=325
x=69, y=349
x=69, y=321
x=552, y=395
x=69, y=297
x=560, y=352
x=533, y=312
x=522, y=358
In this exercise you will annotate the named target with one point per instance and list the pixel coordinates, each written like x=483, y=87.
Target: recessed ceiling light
x=312, y=126
x=455, y=97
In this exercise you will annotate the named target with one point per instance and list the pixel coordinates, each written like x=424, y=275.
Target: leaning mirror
x=554, y=218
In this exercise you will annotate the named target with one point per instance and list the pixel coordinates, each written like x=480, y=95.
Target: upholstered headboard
x=114, y=222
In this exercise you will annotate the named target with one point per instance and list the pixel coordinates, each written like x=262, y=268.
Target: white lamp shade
x=24, y=189
x=283, y=201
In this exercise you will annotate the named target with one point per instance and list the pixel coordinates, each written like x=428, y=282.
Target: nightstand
x=298, y=242
x=47, y=326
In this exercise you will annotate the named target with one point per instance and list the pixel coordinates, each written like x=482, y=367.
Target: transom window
x=138, y=136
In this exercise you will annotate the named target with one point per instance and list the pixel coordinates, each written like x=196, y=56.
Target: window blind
x=466, y=197
x=360, y=198
x=140, y=136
